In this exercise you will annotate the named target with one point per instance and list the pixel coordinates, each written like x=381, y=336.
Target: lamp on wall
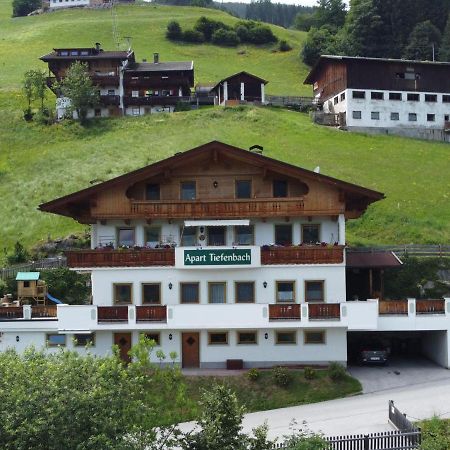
x=17, y=339
x=215, y=184
x=170, y=336
x=265, y=284
x=170, y=285
x=266, y=335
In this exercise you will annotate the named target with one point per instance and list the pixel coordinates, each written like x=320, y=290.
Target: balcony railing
x=324, y=311
x=393, y=307
x=155, y=101
x=302, y=255
x=11, y=313
x=43, y=312
x=110, y=100
x=153, y=313
x=105, y=80
x=156, y=82
x=284, y=312
x=108, y=314
x=430, y=306
x=218, y=208
x=121, y=258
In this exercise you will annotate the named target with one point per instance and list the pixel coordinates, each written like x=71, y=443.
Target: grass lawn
x=435, y=434
x=263, y=394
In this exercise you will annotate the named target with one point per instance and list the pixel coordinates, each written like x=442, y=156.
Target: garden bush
x=283, y=46
x=310, y=373
x=227, y=38
x=174, y=31
x=336, y=371
x=261, y=34
x=253, y=374
x=281, y=376
x=208, y=26
x=193, y=36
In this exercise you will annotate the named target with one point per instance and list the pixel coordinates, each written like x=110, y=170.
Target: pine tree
x=444, y=49
x=424, y=38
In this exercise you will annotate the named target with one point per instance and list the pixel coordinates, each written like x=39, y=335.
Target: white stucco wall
x=57, y=4
x=435, y=345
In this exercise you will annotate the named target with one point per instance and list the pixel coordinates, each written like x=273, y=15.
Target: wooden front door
x=123, y=341
x=190, y=350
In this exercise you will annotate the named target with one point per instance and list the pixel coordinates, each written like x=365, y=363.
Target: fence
x=48, y=263
x=409, y=249
x=289, y=100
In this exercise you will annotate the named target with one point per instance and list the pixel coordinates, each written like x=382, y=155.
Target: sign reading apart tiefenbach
x=225, y=257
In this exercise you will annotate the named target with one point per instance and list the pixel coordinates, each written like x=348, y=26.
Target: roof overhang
x=216, y=223
x=372, y=259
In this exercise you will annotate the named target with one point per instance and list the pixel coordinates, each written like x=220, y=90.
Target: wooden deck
x=303, y=255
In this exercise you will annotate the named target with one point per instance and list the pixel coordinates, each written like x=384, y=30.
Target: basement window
x=286, y=337
x=431, y=117
x=395, y=116
x=356, y=114
x=412, y=117
x=246, y=337
x=375, y=115
x=315, y=337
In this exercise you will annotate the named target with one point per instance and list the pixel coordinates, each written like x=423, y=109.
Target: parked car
x=373, y=352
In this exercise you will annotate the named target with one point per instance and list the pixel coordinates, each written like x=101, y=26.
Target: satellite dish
x=317, y=169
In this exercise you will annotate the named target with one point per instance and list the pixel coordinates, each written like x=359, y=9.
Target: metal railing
x=49, y=263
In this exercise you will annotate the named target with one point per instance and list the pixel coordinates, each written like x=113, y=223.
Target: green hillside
x=39, y=163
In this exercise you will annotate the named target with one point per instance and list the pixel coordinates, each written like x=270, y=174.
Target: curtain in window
x=217, y=293
x=190, y=293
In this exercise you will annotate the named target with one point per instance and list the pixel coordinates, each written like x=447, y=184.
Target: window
x=280, y=188
x=336, y=100
x=314, y=291
x=111, y=92
x=285, y=292
x=283, y=234
x=123, y=293
x=54, y=340
x=343, y=96
x=412, y=97
x=188, y=190
x=358, y=94
x=125, y=237
x=431, y=98
x=376, y=95
x=395, y=116
x=243, y=189
x=152, y=236
x=395, y=96
x=135, y=93
x=26, y=284
x=431, y=117
x=315, y=337
x=446, y=99
x=74, y=53
x=151, y=293
x=218, y=338
x=446, y=117
x=285, y=337
x=189, y=236
x=154, y=337
x=375, y=115
x=243, y=235
x=244, y=292
x=356, y=114
x=97, y=112
x=190, y=292
x=84, y=52
x=310, y=233
x=135, y=111
x=81, y=340
x=217, y=292
x=152, y=192
x=216, y=236
x=412, y=117
x=246, y=337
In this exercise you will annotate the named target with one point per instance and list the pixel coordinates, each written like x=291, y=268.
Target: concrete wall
x=435, y=346
x=57, y=4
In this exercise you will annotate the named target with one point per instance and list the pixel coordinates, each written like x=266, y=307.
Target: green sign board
x=216, y=257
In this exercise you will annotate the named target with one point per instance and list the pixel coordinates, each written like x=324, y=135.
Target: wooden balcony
x=105, y=80
x=112, y=314
x=110, y=100
x=121, y=258
x=284, y=312
x=11, y=312
x=156, y=82
x=430, y=306
x=393, y=307
x=324, y=311
x=227, y=208
x=155, y=101
x=43, y=312
x=303, y=255
x=151, y=313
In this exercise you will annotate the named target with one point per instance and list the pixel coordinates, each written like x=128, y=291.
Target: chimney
x=156, y=58
x=97, y=46
x=256, y=149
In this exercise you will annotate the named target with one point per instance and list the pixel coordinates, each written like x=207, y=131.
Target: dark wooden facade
x=252, y=87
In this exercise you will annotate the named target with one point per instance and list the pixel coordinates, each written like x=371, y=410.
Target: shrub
x=20, y=254
x=284, y=46
x=261, y=34
x=182, y=106
x=24, y=7
x=242, y=32
x=28, y=114
x=193, y=36
x=310, y=373
x=174, y=31
x=227, y=38
x=281, y=376
x=253, y=374
x=336, y=371
x=208, y=26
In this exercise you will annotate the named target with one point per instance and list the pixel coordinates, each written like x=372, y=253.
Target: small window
x=412, y=97
x=431, y=117
x=152, y=192
x=97, y=112
x=154, y=337
x=246, y=337
x=286, y=337
x=216, y=236
x=375, y=115
x=218, y=338
x=81, y=340
x=395, y=95
x=446, y=117
x=243, y=235
x=245, y=291
x=412, y=117
x=314, y=291
x=283, y=234
x=111, y=92
x=26, y=284
x=63, y=52
x=190, y=292
x=315, y=337
x=310, y=233
x=151, y=293
x=359, y=94
x=135, y=93
x=336, y=100
x=243, y=189
x=125, y=237
x=376, y=95
x=189, y=236
x=217, y=292
x=446, y=99
x=285, y=292
x=395, y=116
x=280, y=188
x=432, y=98
x=356, y=114
x=55, y=340
x=135, y=111
x=343, y=96
x=123, y=293
x=84, y=52
x=188, y=190
x=73, y=52
x=152, y=236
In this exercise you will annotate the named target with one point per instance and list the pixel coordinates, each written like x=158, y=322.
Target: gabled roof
x=356, y=194
x=261, y=80
x=161, y=66
x=371, y=259
x=93, y=55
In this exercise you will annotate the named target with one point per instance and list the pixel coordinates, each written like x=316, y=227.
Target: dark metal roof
x=162, y=66
x=372, y=259
x=237, y=74
x=94, y=54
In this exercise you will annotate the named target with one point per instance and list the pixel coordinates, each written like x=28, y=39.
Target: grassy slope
x=41, y=163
